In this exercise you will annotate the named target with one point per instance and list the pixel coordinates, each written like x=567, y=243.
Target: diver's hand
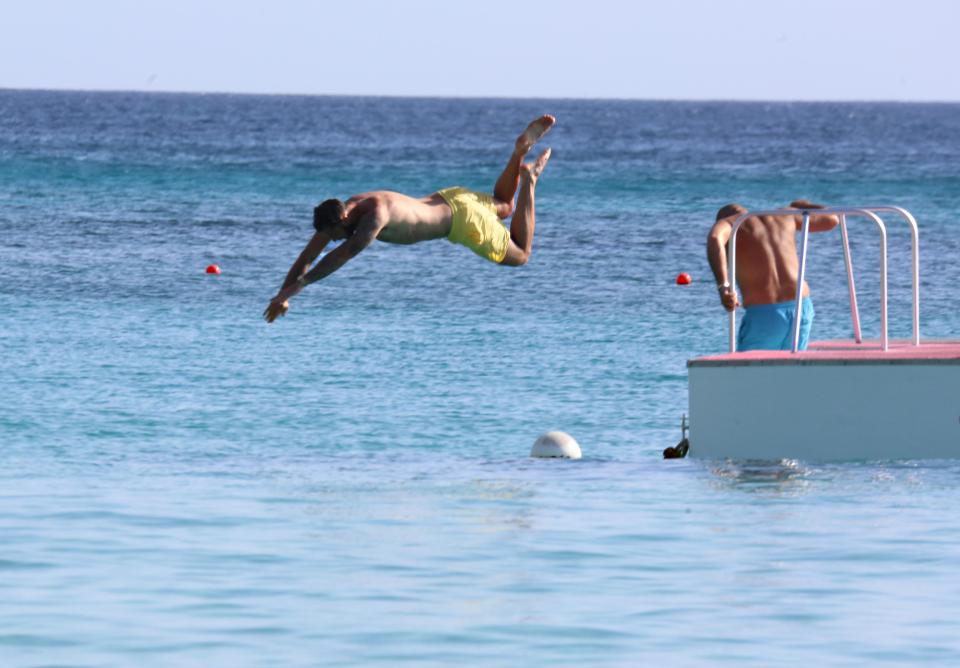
x=280, y=304
x=275, y=309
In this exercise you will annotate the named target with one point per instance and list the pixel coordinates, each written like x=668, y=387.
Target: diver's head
x=329, y=217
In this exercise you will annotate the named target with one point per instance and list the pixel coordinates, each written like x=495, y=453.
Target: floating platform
x=835, y=401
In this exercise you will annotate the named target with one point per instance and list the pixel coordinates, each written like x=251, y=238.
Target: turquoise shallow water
x=181, y=484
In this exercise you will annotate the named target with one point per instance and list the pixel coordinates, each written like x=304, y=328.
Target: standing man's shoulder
x=725, y=218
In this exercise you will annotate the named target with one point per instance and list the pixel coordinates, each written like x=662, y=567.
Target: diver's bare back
x=767, y=264
x=410, y=219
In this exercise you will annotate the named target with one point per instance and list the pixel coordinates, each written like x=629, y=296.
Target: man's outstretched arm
x=367, y=230
x=306, y=258
x=317, y=243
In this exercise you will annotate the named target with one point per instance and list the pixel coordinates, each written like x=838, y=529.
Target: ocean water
x=183, y=485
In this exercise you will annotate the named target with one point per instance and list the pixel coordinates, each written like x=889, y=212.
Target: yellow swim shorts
x=475, y=223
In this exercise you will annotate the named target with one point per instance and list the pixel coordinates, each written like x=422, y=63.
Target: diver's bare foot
x=534, y=132
x=531, y=171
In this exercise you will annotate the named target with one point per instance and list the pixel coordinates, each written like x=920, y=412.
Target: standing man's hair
x=729, y=210
x=327, y=213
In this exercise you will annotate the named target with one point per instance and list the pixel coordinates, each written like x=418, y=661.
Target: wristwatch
x=723, y=287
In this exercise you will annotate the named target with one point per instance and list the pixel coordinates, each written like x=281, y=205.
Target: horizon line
x=43, y=89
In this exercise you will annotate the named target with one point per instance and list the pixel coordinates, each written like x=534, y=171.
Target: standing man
x=462, y=216
x=767, y=273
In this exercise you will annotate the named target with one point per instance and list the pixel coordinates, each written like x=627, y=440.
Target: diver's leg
x=506, y=186
x=524, y=217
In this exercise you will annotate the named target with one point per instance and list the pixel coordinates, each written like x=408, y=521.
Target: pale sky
x=667, y=49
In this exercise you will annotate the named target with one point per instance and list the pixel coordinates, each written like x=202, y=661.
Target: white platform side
x=826, y=411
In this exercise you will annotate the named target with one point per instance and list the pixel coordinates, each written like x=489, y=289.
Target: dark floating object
x=679, y=451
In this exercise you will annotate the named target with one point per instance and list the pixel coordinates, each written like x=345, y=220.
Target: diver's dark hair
x=327, y=213
x=729, y=210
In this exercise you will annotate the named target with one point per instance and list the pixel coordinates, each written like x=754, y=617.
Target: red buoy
x=683, y=279
x=215, y=269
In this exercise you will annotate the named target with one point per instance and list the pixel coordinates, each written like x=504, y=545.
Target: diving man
x=462, y=216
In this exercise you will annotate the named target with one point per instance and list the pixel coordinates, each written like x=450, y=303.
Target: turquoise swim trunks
x=770, y=326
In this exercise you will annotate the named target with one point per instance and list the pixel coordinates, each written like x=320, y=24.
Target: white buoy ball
x=556, y=444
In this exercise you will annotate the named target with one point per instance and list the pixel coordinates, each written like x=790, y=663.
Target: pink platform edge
x=846, y=351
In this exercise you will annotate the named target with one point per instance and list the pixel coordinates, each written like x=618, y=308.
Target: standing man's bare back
x=462, y=216
x=767, y=269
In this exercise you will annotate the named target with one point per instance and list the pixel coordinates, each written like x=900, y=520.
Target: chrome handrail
x=851, y=284
x=915, y=261
x=843, y=213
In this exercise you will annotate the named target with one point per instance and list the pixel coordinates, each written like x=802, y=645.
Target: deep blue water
x=181, y=484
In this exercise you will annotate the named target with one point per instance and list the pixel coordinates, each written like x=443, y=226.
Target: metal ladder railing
x=842, y=212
